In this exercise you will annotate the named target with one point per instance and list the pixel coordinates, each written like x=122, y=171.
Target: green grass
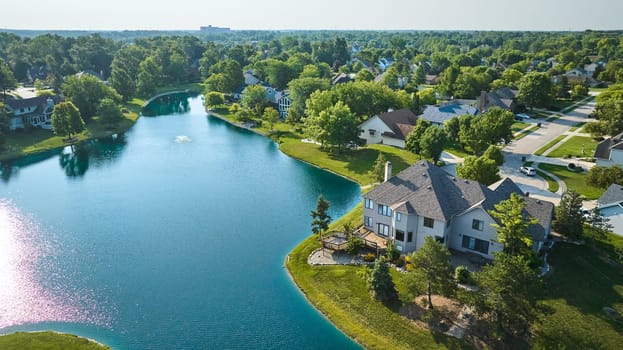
x=525, y=132
x=574, y=180
x=47, y=341
x=518, y=126
x=573, y=147
x=342, y=295
x=580, y=285
x=577, y=126
x=561, y=104
x=549, y=145
x=552, y=185
x=456, y=150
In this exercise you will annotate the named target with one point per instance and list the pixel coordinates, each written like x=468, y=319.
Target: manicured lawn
x=47, y=341
x=342, y=295
x=575, y=293
x=575, y=181
x=573, y=147
x=552, y=185
x=549, y=145
x=456, y=150
x=577, y=126
x=518, y=126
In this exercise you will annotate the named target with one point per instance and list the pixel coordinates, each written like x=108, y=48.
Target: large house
x=426, y=201
x=390, y=128
x=438, y=115
x=504, y=98
x=610, y=206
x=35, y=111
x=610, y=151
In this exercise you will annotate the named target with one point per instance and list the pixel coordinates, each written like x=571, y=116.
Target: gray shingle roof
x=602, y=150
x=427, y=190
x=613, y=194
x=439, y=114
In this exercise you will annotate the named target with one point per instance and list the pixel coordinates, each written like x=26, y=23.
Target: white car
x=528, y=170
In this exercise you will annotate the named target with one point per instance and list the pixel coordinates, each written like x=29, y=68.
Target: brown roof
x=401, y=122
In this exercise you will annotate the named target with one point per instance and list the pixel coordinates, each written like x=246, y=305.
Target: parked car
x=521, y=116
x=528, y=170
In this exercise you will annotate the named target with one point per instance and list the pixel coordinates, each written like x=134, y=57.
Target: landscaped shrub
x=369, y=257
x=462, y=274
x=392, y=251
x=354, y=244
x=400, y=262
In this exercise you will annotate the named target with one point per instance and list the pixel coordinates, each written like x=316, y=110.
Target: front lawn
x=549, y=145
x=575, y=293
x=573, y=148
x=47, y=341
x=574, y=180
x=342, y=295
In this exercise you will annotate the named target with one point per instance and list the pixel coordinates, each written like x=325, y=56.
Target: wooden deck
x=338, y=240
x=371, y=239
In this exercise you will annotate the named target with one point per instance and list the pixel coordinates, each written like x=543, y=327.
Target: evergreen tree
x=432, y=262
x=381, y=283
x=378, y=171
x=320, y=218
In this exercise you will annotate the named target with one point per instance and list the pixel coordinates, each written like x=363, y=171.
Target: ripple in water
x=32, y=288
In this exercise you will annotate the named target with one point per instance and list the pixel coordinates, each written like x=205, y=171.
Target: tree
x=512, y=229
x=603, y=177
x=535, y=90
x=225, y=76
x=86, y=93
x=300, y=90
x=432, y=262
x=481, y=169
x=448, y=79
x=4, y=118
x=254, y=98
x=432, y=142
x=495, y=154
x=452, y=127
x=507, y=295
x=381, y=284
x=598, y=225
x=149, y=76
x=335, y=128
x=7, y=80
x=569, y=218
x=378, y=170
x=364, y=75
x=109, y=111
x=412, y=143
x=66, y=119
x=320, y=218
x=214, y=98
x=271, y=116
x=419, y=77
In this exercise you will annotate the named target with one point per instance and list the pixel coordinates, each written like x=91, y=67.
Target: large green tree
x=7, y=80
x=481, y=169
x=512, y=226
x=225, y=76
x=506, y=297
x=432, y=263
x=66, y=119
x=124, y=70
x=300, y=90
x=335, y=128
x=109, y=111
x=254, y=98
x=149, y=76
x=214, y=98
x=603, y=176
x=569, y=219
x=413, y=142
x=86, y=92
x=536, y=89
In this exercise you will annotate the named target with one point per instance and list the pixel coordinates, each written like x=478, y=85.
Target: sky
x=533, y=15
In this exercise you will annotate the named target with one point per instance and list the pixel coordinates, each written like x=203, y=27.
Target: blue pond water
x=172, y=236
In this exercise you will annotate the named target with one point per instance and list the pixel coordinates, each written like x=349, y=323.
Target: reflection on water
x=167, y=104
x=26, y=296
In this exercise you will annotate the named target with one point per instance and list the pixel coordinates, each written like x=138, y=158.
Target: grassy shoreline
x=48, y=340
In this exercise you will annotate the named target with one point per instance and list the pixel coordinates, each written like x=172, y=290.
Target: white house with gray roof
x=424, y=200
x=610, y=206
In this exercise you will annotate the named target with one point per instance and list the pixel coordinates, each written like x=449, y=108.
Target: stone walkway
x=331, y=257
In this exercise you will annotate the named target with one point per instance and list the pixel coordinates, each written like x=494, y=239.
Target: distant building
x=35, y=111
x=504, y=98
x=212, y=29
x=390, y=128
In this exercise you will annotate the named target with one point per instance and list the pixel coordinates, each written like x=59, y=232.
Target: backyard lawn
x=573, y=148
x=574, y=180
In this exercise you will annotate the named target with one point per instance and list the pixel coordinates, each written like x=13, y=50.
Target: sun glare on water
x=23, y=297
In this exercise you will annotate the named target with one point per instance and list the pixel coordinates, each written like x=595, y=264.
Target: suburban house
x=438, y=115
x=610, y=151
x=35, y=111
x=610, y=206
x=504, y=98
x=426, y=201
x=390, y=128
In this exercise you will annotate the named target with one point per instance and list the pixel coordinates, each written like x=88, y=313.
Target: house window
x=368, y=221
x=400, y=235
x=409, y=236
x=475, y=244
x=398, y=217
x=383, y=230
x=369, y=203
x=428, y=222
x=385, y=210
x=478, y=224
x=372, y=132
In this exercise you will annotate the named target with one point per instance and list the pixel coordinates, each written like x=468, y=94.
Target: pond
x=172, y=236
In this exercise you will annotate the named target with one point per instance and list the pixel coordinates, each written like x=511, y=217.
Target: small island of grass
x=48, y=341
